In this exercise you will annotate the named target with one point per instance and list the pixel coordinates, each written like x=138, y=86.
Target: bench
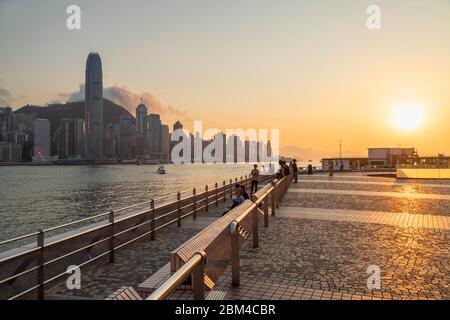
x=154, y=282
x=214, y=241
x=124, y=293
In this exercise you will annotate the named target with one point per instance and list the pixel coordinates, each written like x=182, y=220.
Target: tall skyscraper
x=153, y=137
x=109, y=144
x=41, y=138
x=94, y=107
x=165, y=141
x=126, y=137
x=71, y=138
x=141, y=124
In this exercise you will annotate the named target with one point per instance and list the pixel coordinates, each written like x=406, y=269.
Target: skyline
x=316, y=64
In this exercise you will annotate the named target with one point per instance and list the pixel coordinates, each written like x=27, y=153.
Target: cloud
x=121, y=95
x=5, y=97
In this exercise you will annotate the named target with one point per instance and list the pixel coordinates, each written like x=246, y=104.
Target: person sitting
x=244, y=192
x=239, y=198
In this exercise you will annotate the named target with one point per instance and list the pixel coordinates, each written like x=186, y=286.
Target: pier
x=317, y=239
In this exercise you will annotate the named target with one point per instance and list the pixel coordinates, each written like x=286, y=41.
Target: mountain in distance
x=74, y=110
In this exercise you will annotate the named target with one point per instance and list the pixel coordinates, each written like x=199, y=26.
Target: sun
x=408, y=116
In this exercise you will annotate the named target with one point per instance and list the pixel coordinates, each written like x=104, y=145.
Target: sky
x=309, y=68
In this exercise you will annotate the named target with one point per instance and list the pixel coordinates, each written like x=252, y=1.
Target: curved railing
x=195, y=266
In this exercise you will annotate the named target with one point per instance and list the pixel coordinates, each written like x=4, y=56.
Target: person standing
x=255, y=175
x=295, y=170
x=330, y=168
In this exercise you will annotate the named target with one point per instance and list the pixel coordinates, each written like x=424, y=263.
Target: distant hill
x=55, y=112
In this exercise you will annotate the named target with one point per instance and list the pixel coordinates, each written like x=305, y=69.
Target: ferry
x=161, y=170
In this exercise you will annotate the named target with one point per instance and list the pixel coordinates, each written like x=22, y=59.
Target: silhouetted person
x=244, y=192
x=255, y=175
x=295, y=170
x=342, y=166
x=330, y=168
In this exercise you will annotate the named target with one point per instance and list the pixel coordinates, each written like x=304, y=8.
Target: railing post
x=224, y=191
x=194, y=194
x=266, y=211
x=207, y=196
x=198, y=281
x=273, y=198
x=255, y=228
x=152, y=221
x=217, y=194
x=40, y=261
x=179, y=209
x=231, y=188
x=111, y=240
x=277, y=195
x=235, y=278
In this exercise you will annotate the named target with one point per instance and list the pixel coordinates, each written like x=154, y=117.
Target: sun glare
x=407, y=117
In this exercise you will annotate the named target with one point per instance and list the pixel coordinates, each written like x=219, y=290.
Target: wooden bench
x=216, y=295
x=213, y=239
x=154, y=282
x=125, y=293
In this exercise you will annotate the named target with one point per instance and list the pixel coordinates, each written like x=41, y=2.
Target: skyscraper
x=41, y=138
x=177, y=125
x=141, y=124
x=94, y=107
x=153, y=137
x=126, y=137
x=71, y=138
x=165, y=141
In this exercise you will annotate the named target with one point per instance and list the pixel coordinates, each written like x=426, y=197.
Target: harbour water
x=33, y=197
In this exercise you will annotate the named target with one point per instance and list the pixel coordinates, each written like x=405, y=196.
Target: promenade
x=321, y=241
x=329, y=230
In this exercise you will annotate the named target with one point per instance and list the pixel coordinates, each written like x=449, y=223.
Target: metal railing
x=107, y=236
x=195, y=266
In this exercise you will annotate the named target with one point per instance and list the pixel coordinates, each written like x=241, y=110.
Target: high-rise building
x=141, y=123
x=109, y=145
x=177, y=125
x=71, y=138
x=7, y=124
x=165, y=142
x=41, y=138
x=153, y=136
x=94, y=107
x=126, y=137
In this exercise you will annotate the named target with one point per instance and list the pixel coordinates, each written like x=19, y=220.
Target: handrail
x=178, y=277
x=195, y=261
x=198, y=201
x=103, y=214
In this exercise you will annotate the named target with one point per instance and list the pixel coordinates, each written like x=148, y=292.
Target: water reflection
x=39, y=197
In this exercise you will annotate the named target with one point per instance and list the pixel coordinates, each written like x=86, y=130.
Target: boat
x=161, y=170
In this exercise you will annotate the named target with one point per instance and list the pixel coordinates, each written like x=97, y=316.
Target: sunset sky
x=310, y=68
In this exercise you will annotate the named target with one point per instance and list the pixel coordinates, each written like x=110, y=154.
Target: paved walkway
x=134, y=263
x=375, y=193
x=321, y=243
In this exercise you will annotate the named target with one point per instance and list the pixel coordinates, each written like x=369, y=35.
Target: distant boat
x=161, y=170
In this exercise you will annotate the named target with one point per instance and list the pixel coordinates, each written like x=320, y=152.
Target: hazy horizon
x=310, y=68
